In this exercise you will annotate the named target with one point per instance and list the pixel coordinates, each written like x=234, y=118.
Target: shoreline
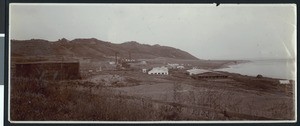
x=229, y=67
x=233, y=62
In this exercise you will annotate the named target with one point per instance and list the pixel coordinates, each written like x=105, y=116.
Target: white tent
x=284, y=82
x=159, y=70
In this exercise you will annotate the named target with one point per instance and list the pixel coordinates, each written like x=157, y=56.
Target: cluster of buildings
x=164, y=70
x=175, y=66
x=194, y=72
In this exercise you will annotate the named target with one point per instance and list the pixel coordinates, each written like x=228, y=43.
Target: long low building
x=196, y=71
x=159, y=70
x=211, y=75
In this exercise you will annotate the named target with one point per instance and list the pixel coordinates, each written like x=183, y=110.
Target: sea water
x=281, y=69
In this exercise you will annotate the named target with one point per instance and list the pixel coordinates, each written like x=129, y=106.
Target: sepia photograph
x=152, y=62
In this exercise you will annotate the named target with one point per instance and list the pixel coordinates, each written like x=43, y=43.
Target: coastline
x=277, y=69
x=232, y=62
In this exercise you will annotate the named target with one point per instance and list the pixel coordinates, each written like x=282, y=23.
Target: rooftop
x=197, y=71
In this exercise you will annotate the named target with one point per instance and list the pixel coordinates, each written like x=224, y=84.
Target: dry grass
x=41, y=100
x=34, y=100
x=90, y=101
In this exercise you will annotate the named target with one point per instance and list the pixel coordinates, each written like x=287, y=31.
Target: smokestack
x=130, y=56
x=116, y=56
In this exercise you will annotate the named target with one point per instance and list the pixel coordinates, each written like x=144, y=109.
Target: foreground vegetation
x=33, y=99
x=40, y=100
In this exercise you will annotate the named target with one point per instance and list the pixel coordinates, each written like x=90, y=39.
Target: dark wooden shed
x=48, y=70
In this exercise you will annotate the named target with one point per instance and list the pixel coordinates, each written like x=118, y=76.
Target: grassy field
x=110, y=95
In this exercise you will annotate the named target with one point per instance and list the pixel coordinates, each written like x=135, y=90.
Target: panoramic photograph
x=152, y=62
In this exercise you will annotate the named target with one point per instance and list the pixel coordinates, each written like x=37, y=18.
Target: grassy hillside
x=94, y=48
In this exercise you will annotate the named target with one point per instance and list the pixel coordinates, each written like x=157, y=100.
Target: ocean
x=281, y=69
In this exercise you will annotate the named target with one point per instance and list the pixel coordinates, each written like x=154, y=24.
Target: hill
x=94, y=48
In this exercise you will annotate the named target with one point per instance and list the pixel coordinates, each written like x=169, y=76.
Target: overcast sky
x=205, y=31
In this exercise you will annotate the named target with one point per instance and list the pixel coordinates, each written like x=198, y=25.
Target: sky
x=207, y=31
